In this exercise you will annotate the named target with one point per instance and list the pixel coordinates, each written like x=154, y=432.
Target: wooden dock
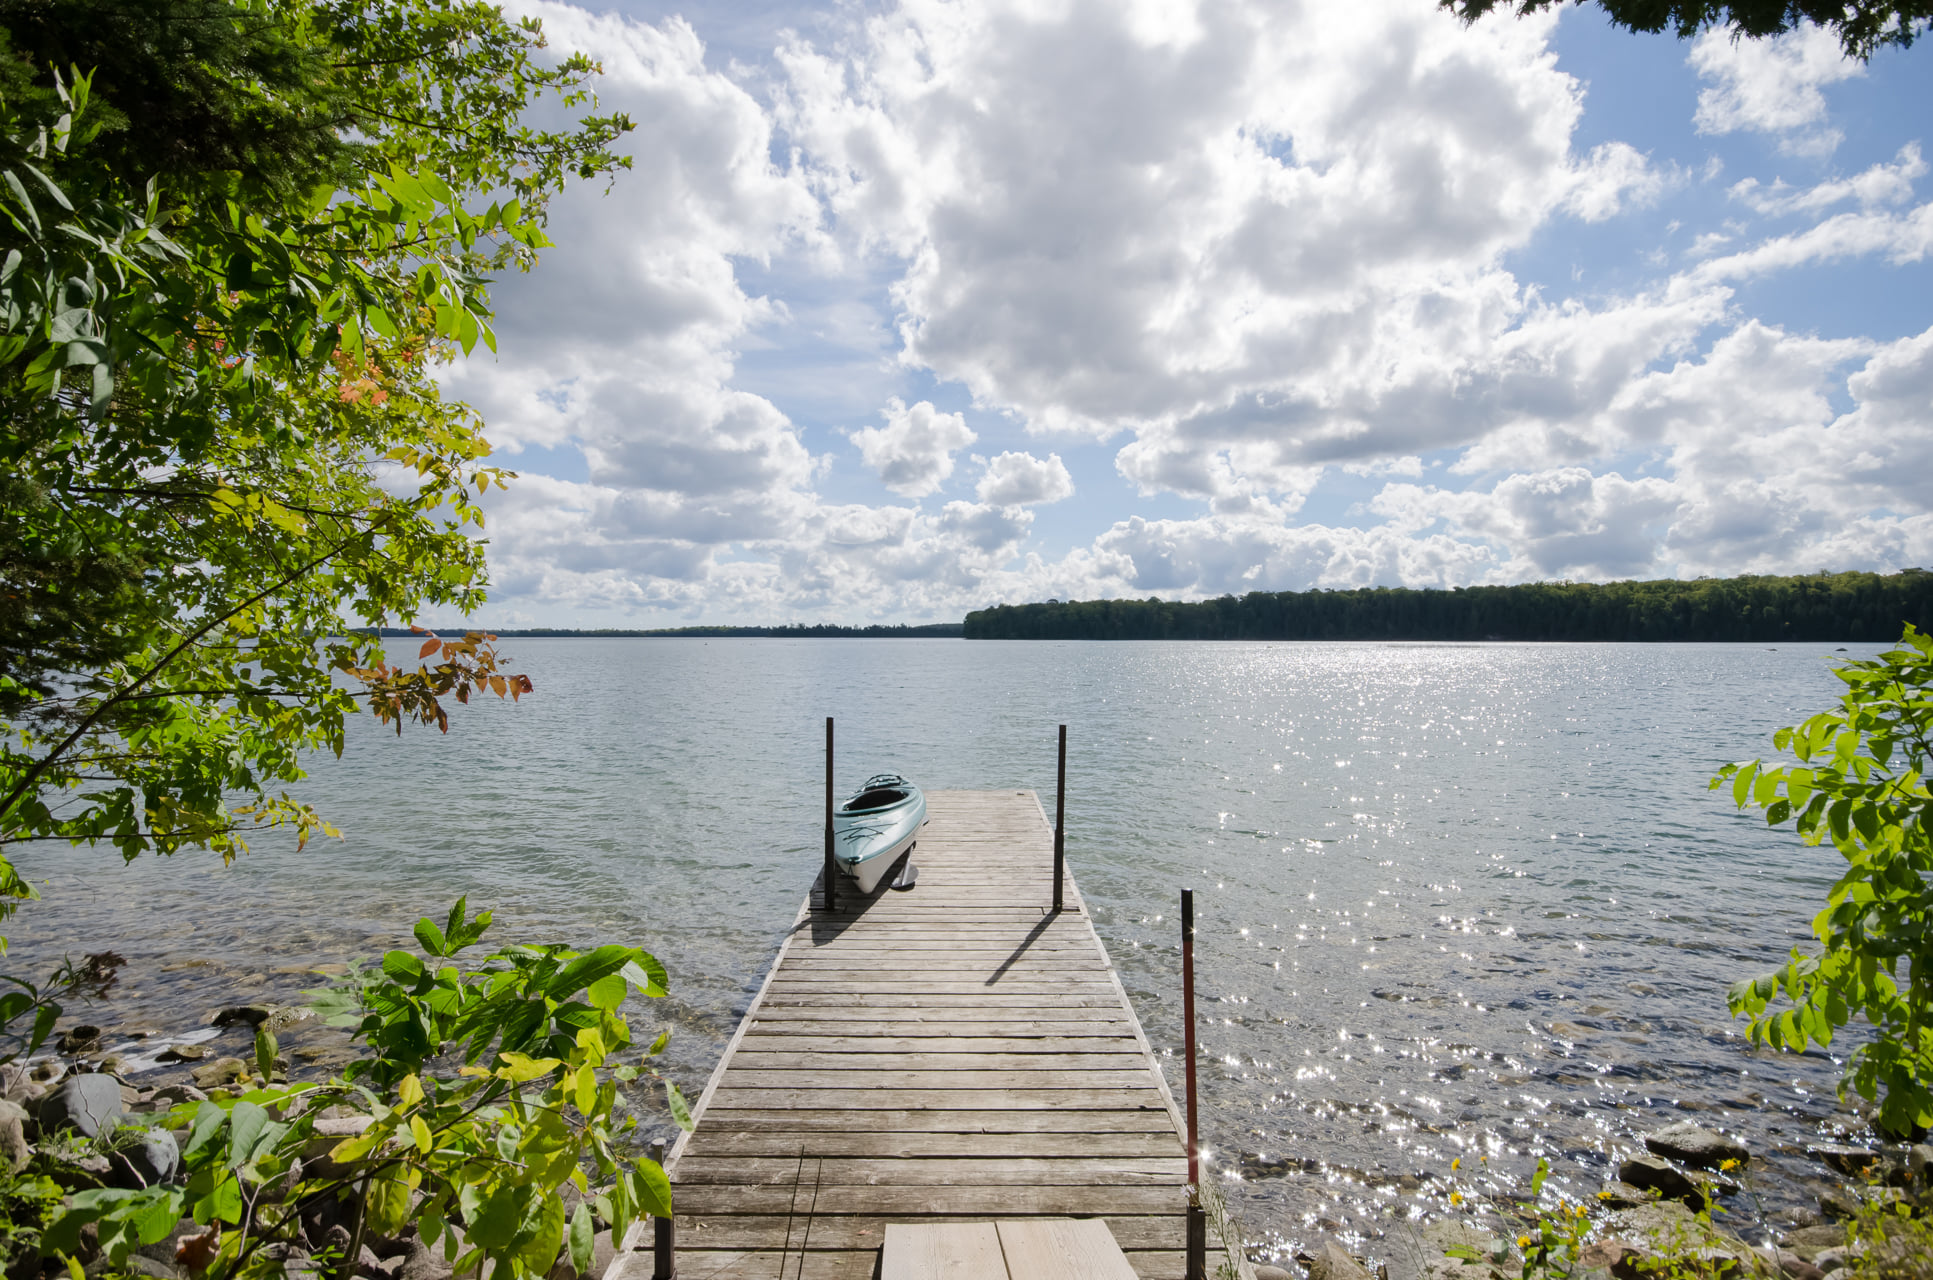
x=955, y=1053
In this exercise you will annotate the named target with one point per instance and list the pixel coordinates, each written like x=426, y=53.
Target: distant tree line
x=1815, y=607
x=793, y=631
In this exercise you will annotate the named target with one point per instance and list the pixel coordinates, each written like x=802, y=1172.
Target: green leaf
x=647, y=975
x=388, y=1200
x=265, y=1051
x=431, y=938
x=209, y=1118
x=540, y=1254
x=500, y=1216
x=246, y=1123
x=608, y=992
x=402, y=966
x=651, y=1189
x=680, y=1110
x=583, y=1239
x=223, y=1203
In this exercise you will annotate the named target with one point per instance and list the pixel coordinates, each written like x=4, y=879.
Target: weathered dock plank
x=953, y=1054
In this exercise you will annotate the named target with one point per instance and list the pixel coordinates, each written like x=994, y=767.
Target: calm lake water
x=1454, y=900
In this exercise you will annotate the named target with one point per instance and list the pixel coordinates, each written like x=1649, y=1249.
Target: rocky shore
x=1664, y=1209
x=96, y=1113
x=100, y=1111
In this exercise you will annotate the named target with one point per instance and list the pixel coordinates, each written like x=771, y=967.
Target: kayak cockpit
x=879, y=798
x=881, y=791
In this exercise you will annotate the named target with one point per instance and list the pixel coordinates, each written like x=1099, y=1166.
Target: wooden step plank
x=761, y=1041
x=950, y=963
x=941, y=1081
x=1076, y=1020
x=882, y=1064
x=701, y=1263
x=704, y=1200
x=1065, y=1249
x=736, y=1096
x=882, y=994
x=900, y=1002
x=768, y=1231
x=942, y=1251
x=842, y=1119
x=696, y=1168
x=914, y=1144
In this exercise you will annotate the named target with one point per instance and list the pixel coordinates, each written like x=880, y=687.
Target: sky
x=907, y=309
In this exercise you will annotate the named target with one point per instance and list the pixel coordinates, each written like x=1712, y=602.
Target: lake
x=1454, y=901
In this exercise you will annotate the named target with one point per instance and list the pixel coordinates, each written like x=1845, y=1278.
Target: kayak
x=874, y=826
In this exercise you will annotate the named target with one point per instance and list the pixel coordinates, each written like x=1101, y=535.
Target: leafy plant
x=486, y=1089
x=28, y=1202
x=236, y=238
x=1858, y=779
x=29, y=1010
x=1863, y=26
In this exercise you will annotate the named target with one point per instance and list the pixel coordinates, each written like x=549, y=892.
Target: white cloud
x=913, y=452
x=1562, y=523
x=1019, y=479
x=1882, y=184
x=622, y=342
x=1260, y=241
x=1899, y=238
x=1254, y=245
x=1616, y=177
x=1771, y=85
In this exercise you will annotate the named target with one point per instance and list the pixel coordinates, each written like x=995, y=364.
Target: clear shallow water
x=1453, y=901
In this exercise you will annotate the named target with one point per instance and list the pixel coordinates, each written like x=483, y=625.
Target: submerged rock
x=251, y=1015
x=1809, y=1240
x=1919, y=1162
x=1622, y=1195
x=1851, y=1161
x=1649, y=1173
x=1696, y=1145
x=220, y=1072
x=81, y=1039
x=1333, y=1262
x=1791, y=1265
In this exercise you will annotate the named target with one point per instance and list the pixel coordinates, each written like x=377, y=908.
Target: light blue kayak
x=875, y=825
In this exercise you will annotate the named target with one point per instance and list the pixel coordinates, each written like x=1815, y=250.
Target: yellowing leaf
x=351, y=1149
x=410, y=1091
x=421, y=1132
x=520, y=1067
x=586, y=1088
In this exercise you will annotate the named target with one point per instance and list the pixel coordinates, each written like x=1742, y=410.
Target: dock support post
x=664, y=1258
x=1060, y=820
x=830, y=893
x=1197, y=1261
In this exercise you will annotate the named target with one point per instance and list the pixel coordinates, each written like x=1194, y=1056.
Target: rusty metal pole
x=664, y=1240
x=1197, y=1218
x=830, y=895
x=1060, y=821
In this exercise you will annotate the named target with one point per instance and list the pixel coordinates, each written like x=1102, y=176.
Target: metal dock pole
x=1060, y=820
x=664, y=1259
x=830, y=895
x=1197, y=1217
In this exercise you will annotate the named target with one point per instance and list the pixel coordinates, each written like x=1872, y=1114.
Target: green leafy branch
x=1859, y=781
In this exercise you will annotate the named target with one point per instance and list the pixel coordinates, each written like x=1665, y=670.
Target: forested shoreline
x=790, y=631
x=1812, y=607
